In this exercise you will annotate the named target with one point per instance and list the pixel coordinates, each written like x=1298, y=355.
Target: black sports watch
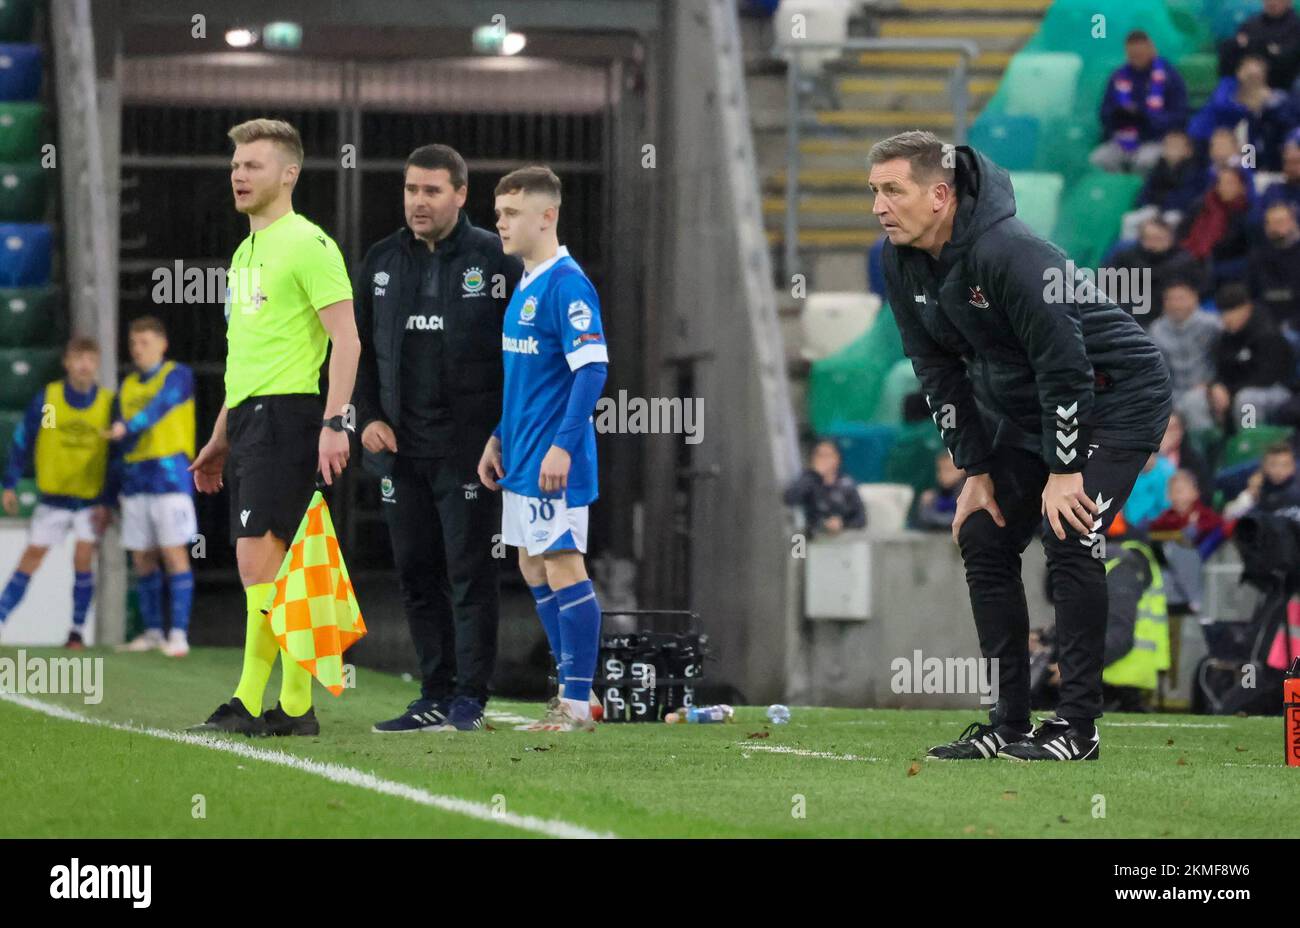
x=337, y=424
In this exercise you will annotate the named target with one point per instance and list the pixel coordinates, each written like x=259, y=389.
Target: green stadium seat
x=28, y=497
x=1064, y=146
x=20, y=131
x=24, y=371
x=22, y=193
x=1096, y=28
x=1011, y=141
x=900, y=382
x=1189, y=18
x=846, y=387
x=9, y=419
x=1249, y=444
x=1039, y=84
x=31, y=317
x=1038, y=199
x=911, y=457
x=1200, y=72
x=1227, y=15
x=1091, y=212
x=16, y=20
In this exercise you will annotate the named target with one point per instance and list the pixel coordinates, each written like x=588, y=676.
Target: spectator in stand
x=1274, y=36
x=1144, y=99
x=1218, y=229
x=938, y=504
x=1187, y=512
x=1150, y=495
x=1157, y=253
x=1270, y=488
x=1224, y=151
x=829, y=499
x=1177, y=448
x=1286, y=190
x=1186, y=335
x=1253, y=363
x=1267, y=112
x=1178, y=178
x=1274, y=277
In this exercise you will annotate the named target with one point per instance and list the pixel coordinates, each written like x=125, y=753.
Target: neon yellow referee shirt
x=278, y=279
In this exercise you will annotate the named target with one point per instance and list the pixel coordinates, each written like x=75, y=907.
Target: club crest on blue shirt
x=472, y=282
x=528, y=311
x=579, y=315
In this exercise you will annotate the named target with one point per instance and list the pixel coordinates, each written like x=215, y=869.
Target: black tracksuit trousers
x=442, y=523
x=1076, y=576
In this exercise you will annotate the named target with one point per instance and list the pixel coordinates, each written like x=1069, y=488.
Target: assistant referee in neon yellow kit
x=288, y=297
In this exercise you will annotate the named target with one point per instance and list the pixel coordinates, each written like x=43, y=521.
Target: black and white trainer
x=980, y=741
x=1055, y=739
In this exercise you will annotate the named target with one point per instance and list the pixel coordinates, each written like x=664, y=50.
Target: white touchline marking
x=1230, y=764
x=782, y=749
x=350, y=776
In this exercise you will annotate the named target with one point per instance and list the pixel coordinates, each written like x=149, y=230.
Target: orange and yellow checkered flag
x=314, y=615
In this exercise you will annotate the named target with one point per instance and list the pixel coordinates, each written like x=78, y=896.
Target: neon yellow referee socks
x=259, y=649
x=295, y=687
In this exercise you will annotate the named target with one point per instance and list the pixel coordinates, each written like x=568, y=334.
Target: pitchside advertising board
x=44, y=617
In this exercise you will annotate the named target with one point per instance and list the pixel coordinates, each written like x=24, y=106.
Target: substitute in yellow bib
x=63, y=437
x=155, y=429
x=288, y=297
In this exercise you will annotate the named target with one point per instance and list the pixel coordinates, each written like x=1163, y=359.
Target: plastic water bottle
x=709, y=714
x=778, y=714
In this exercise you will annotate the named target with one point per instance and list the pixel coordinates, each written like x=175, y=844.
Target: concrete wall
x=919, y=601
x=717, y=536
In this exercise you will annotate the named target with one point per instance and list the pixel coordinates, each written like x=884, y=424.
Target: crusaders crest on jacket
x=977, y=298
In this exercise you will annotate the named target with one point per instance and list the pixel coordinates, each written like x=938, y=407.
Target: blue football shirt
x=552, y=328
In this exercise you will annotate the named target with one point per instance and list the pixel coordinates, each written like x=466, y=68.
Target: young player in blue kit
x=543, y=454
x=154, y=424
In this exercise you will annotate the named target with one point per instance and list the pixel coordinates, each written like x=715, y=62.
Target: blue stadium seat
x=25, y=253
x=1011, y=141
x=20, y=72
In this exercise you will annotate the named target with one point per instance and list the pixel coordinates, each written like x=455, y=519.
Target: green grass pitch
x=829, y=773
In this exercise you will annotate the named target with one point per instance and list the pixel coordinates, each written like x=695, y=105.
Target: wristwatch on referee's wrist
x=337, y=424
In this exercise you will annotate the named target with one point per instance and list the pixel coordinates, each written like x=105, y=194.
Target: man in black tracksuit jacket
x=430, y=299
x=1051, y=398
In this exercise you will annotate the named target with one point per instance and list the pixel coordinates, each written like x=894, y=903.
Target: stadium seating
x=1038, y=199
x=1095, y=29
x=1065, y=145
x=832, y=321
x=847, y=386
x=1200, y=72
x=887, y=505
x=20, y=72
x=23, y=371
x=1021, y=90
x=1091, y=214
x=1249, y=444
x=864, y=448
x=825, y=21
x=31, y=318
x=16, y=20
x=20, y=131
x=25, y=254
x=1011, y=141
x=1227, y=15
x=911, y=457
x=22, y=193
